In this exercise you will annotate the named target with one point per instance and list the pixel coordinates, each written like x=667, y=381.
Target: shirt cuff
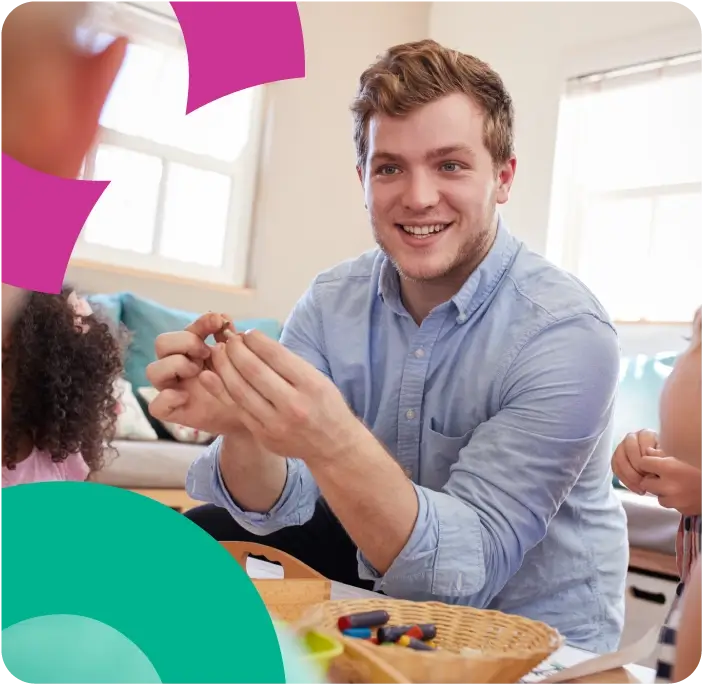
x=443, y=556
x=294, y=507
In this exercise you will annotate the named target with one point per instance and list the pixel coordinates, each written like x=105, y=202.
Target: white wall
x=310, y=211
x=536, y=46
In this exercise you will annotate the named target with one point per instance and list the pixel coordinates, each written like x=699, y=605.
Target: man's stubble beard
x=467, y=258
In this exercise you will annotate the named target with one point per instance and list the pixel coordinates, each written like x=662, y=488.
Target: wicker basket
x=506, y=647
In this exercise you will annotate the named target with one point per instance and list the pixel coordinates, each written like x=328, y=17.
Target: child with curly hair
x=59, y=409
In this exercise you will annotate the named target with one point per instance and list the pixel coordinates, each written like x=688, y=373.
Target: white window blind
x=182, y=187
x=626, y=199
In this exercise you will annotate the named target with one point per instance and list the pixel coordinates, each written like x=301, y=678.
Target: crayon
x=362, y=633
x=421, y=631
x=414, y=643
x=366, y=619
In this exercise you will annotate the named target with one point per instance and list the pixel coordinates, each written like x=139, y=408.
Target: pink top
x=39, y=468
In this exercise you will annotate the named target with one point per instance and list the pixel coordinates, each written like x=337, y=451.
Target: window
x=182, y=187
x=626, y=199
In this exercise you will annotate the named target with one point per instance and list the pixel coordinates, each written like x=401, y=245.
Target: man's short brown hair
x=410, y=75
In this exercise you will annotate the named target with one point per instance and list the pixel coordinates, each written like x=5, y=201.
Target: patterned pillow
x=132, y=424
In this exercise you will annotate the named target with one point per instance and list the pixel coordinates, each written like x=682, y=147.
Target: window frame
x=153, y=29
x=569, y=201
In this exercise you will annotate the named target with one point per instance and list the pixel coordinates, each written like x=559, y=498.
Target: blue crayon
x=362, y=633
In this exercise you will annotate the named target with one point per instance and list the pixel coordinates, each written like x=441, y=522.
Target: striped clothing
x=688, y=545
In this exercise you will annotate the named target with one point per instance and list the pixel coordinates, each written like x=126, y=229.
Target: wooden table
x=566, y=656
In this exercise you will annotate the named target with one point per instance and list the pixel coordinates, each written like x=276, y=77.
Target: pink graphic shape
x=42, y=216
x=237, y=45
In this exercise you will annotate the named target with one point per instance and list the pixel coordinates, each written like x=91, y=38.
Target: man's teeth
x=424, y=230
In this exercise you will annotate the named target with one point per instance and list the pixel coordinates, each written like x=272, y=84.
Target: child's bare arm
x=688, y=638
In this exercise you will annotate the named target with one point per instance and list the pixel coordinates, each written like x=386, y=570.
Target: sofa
x=150, y=459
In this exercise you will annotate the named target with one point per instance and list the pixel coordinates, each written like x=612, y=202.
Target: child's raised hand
x=628, y=455
x=52, y=90
x=675, y=483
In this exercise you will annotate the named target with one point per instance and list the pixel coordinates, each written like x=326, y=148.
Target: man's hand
x=183, y=399
x=629, y=453
x=288, y=405
x=52, y=90
x=676, y=483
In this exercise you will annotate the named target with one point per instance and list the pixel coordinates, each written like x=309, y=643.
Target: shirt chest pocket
x=438, y=453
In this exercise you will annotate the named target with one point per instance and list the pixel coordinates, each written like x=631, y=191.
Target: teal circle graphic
x=144, y=570
x=73, y=649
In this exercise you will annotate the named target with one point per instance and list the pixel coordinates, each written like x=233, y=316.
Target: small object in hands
x=420, y=631
x=365, y=619
x=362, y=633
x=414, y=643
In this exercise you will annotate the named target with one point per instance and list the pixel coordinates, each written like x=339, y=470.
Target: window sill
x=159, y=276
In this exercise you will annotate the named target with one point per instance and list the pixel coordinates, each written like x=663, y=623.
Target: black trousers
x=321, y=543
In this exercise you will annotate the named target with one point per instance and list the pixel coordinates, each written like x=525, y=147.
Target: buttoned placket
x=412, y=391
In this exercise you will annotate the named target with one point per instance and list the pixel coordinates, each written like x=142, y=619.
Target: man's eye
x=451, y=166
x=387, y=170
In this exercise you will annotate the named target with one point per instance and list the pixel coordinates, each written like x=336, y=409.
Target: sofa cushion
x=146, y=320
x=142, y=464
x=109, y=306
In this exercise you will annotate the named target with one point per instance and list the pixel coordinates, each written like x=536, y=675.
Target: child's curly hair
x=58, y=382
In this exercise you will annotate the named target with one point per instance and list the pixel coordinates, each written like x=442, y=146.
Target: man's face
x=431, y=187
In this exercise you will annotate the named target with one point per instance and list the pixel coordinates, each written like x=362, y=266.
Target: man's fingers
x=258, y=374
x=239, y=389
x=653, y=452
x=214, y=385
x=173, y=369
x=285, y=363
x=167, y=402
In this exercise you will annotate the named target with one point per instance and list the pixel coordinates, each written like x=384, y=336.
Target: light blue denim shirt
x=498, y=408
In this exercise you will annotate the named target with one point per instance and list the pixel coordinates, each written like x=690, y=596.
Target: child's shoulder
x=39, y=467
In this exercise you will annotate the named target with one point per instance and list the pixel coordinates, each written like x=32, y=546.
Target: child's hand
x=676, y=483
x=627, y=457
x=52, y=91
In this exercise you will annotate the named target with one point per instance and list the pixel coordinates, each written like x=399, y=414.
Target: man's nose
x=421, y=192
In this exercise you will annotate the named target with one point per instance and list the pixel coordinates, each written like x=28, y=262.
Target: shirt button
x=419, y=353
x=410, y=414
x=461, y=318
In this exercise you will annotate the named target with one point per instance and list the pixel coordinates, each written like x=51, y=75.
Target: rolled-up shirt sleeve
x=294, y=507
x=302, y=334
x=519, y=466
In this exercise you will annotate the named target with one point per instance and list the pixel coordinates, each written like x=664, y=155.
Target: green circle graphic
x=73, y=649
x=137, y=566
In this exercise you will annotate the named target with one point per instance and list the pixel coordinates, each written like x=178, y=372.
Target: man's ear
x=360, y=174
x=506, y=175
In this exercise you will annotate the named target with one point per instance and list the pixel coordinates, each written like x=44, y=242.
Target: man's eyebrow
x=384, y=156
x=450, y=150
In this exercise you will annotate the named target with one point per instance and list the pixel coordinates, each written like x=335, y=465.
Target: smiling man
x=435, y=419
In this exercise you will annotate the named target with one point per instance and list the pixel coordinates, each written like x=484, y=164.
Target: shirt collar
x=477, y=286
